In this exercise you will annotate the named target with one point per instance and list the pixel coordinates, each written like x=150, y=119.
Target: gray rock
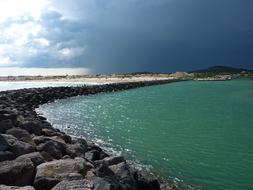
x=19, y=172
x=111, y=160
x=45, y=183
x=42, y=139
x=104, y=171
x=31, y=127
x=92, y=155
x=11, y=115
x=58, y=170
x=16, y=146
x=93, y=183
x=4, y=145
x=5, y=125
x=47, y=157
x=35, y=157
x=18, y=132
x=123, y=173
x=4, y=187
x=146, y=181
x=76, y=150
x=81, y=141
x=49, y=132
x=6, y=155
x=52, y=148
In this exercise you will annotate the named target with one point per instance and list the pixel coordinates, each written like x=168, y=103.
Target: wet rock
x=92, y=155
x=83, y=142
x=35, y=157
x=16, y=146
x=4, y=187
x=6, y=155
x=93, y=183
x=123, y=173
x=58, y=170
x=146, y=181
x=43, y=139
x=49, y=132
x=92, y=146
x=18, y=132
x=31, y=127
x=76, y=150
x=111, y=160
x=19, y=172
x=52, y=148
x=5, y=125
x=104, y=171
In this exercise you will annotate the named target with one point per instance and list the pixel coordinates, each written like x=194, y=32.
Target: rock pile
x=34, y=155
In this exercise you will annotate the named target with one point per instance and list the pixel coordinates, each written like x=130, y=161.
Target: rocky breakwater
x=34, y=155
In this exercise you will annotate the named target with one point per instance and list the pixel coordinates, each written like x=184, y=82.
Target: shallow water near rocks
x=198, y=132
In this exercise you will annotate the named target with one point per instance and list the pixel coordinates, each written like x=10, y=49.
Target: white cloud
x=70, y=53
x=4, y=59
x=20, y=34
x=38, y=33
x=42, y=42
x=17, y=71
x=19, y=8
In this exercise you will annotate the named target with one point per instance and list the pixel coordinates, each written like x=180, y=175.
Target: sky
x=121, y=36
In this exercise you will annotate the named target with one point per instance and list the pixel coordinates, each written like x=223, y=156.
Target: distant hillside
x=222, y=70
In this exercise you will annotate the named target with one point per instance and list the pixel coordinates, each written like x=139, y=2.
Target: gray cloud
x=145, y=35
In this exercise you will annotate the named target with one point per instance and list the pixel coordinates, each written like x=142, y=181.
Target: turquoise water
x=198, y=132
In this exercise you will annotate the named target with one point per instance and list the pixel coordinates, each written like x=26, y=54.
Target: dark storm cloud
x=168, y=35
x=146, y=35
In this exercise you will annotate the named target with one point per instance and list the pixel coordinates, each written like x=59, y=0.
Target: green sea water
x=200, y=133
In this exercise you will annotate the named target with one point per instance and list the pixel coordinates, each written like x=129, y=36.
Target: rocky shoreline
x=34, y=155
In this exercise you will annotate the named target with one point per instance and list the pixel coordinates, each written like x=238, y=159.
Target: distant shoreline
x=120, y=78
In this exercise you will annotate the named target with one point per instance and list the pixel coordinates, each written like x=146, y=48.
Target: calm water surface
x=198, y=132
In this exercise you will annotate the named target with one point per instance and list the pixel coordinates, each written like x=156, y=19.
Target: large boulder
x=52, y=148
x=111, y=160
x=4, y=187
x=35, y=157
x=146, y=181
x=16, y=146
x=50, y=132
x=92, y=155
x=4, y=145
x=19, y=172
x=42, y=139
x=124, y=175
x=50, y=173
x=32, y=127
x=76, y=150
x=93, y=183
x=11, y=116
x=5, y=125
x=6, y=155
x=18, y=132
